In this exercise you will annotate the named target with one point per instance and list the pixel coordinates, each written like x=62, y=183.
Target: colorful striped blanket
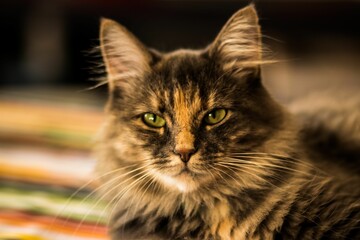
x=46, y=187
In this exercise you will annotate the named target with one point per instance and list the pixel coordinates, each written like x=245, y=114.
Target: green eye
x=152, y=120
x=215, y=116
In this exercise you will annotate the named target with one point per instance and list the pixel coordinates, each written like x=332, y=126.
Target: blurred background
x=48, y=117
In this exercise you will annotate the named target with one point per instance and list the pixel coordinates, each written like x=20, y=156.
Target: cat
x=194, y=147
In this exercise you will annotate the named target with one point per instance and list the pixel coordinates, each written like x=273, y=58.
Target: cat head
x=186, y=115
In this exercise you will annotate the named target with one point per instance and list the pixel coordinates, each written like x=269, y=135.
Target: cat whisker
x=110, y=202
x=278, y=157
x=256, y=176
x=218, y=173
x=219, y=164
x=117, y=198
x=100, y=83
x=272, y=38
x=208, y=170
x=84, y=186
x=225, y=174
x=274, y=155
x=122, y=193
x=253, y=166
x=146, y=186
x=231, y=166
x=107, y=193
x=267, y=165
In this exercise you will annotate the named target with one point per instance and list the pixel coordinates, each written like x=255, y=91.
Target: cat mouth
x=185, y=171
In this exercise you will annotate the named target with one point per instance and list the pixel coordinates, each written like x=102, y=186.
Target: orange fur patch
x=185, y=109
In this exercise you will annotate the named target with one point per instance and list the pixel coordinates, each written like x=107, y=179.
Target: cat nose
x=185, y=153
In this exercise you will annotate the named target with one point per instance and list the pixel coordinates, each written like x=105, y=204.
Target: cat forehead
x=188, y=79
x=181, y=63
x=184, y=81
x=183, y=74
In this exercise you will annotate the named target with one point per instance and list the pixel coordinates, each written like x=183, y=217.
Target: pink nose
x=184, y=153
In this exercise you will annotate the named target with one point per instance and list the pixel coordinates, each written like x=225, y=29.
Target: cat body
x=194, y=147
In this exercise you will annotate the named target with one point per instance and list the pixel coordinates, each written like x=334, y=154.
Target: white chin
x=183, y=183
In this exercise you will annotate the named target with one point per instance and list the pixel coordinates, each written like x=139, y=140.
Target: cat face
x=183, y=114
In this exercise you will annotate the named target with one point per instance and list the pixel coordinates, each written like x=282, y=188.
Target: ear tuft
x=124, y=55
x=238, y=45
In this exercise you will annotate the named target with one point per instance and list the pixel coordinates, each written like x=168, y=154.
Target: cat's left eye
x=215, y=116
x=153, y=120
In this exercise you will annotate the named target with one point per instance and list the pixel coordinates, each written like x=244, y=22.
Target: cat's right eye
x=153, y=120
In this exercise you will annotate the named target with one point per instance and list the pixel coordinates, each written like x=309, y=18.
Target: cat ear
x=238, y=45
x=124, y=55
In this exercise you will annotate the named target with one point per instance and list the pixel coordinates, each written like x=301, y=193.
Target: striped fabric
x=45, y=159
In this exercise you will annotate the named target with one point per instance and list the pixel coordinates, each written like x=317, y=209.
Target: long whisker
x=229, y=168
x=280, y=157
x=106, y=206
x=236, y=167
x=121, y=194
x=218, y=169
x=107, y=193
x=266, y=153
x=258, y=176
x=218, y=173
x=208, y=170
x=145, y=187
x=274, y=156
x=250, y=165
x=87, y=184
x=266, y=165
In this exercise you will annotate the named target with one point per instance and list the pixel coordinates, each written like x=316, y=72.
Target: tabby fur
x=255, y=175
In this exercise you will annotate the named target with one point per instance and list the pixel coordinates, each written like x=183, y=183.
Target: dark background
x=49, y=43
